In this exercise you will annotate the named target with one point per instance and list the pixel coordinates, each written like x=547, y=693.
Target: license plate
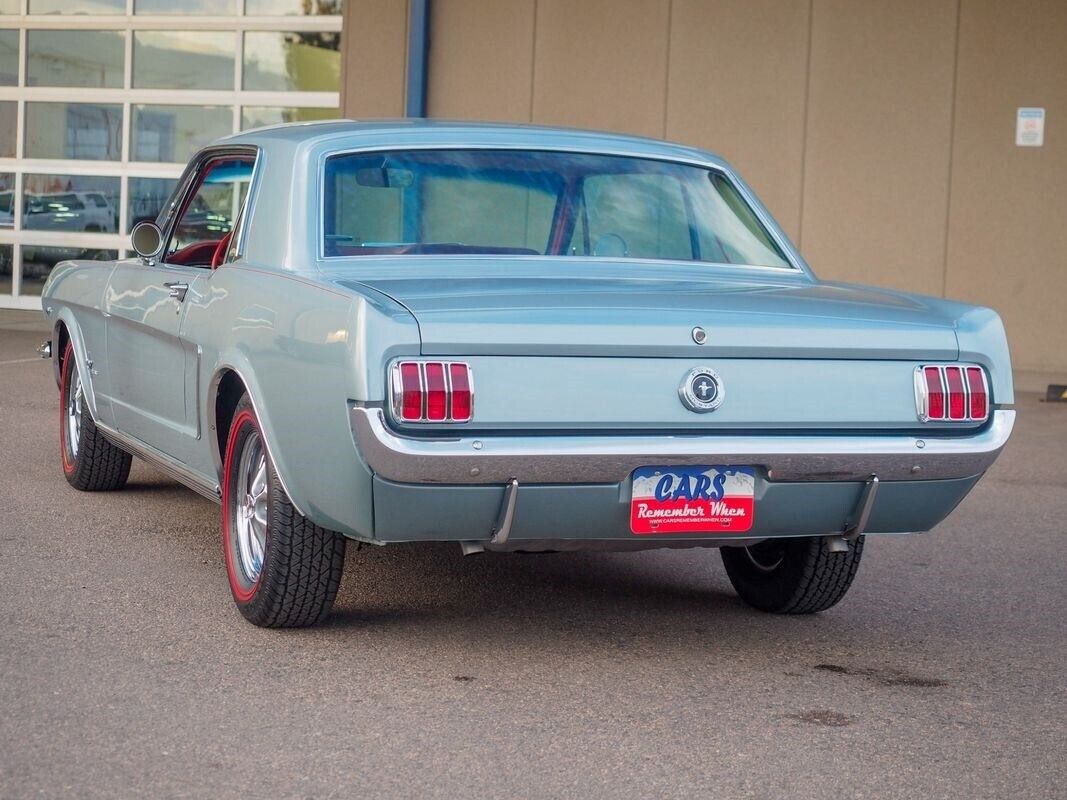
x=692, y=500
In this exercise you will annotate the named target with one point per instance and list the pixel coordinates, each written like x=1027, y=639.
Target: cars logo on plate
x=701, y=390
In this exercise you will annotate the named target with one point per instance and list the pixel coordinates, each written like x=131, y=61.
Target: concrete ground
x=125, y=670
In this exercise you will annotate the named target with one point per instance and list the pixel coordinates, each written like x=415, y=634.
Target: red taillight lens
x=432, y=391
x=462, y=395
x=952, y=393
x=410, y=392
x=976, y=387
x=436, y=393
x=935, y=393
x=957, y=407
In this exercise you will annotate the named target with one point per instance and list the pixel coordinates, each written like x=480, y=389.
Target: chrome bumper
x=611, y=459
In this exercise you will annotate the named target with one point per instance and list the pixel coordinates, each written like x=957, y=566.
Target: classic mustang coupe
x=517, y=339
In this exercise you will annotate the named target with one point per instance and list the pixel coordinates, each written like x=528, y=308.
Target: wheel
x=284, y=570
x=791, y=575
x=90, y=462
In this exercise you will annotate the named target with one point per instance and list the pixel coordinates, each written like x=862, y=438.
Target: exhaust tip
x=45, y=349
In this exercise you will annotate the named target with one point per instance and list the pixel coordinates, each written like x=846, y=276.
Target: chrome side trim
x=611, y=459
x=163, y=462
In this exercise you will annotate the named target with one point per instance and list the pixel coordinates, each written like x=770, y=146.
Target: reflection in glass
x=72, y=203
x=7, y=257
x=147, y=196
x=184, y=7
x=173, y=133
x=74, y=58
x=258, y=116
x=309, y=61
x=38, y=261
x=183, y=59
x=73, y=130
x=8, y=120
x=9, y=7
x=7, y=204
x=9, y=57
x=211, y=213
x=305, y=8
x=80, y=7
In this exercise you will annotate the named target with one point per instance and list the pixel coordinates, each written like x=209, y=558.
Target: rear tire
x=284, y=570
x=90, y=462
x=792, y=575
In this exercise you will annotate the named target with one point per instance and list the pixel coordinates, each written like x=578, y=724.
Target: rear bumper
x=592, y=459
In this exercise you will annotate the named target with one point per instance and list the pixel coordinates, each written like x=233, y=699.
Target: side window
x=209, y=215
x=633, y=215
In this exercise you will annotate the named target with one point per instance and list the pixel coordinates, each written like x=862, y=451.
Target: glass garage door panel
x=75, y=58
x=91, y=131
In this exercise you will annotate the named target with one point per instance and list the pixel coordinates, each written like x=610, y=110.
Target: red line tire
x=90, y=462
x=284, y=570
x=792, y=575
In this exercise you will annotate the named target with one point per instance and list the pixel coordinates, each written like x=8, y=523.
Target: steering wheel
x=220, y=250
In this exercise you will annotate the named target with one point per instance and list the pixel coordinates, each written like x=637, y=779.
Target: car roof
x=398, y=133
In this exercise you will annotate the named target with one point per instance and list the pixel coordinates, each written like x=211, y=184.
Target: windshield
x=538, y=203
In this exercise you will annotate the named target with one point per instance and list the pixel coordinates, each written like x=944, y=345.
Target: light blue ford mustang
x=515, y=338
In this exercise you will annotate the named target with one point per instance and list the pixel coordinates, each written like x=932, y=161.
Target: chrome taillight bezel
x=396, y=392
x=922, y=394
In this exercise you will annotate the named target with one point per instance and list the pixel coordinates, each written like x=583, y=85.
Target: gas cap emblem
x=701, y=390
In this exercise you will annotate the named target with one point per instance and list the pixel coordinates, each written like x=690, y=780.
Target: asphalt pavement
x=125, y=670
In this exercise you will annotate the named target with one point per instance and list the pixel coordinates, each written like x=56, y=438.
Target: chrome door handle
x=177, y=290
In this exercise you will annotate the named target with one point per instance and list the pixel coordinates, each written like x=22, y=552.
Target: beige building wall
x=879, y=133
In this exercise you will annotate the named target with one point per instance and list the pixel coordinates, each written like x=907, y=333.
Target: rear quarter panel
x=302, y=350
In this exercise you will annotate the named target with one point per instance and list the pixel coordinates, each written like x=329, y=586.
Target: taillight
x=951, y=393
x=432, y=391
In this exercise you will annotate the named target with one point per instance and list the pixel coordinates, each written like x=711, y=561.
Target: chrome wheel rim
x=766, y=556
x=250, y=497
x=75, y=402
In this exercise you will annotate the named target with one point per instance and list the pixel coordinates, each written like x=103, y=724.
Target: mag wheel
x=90, y=462
x=791, y=575
x=283, y=569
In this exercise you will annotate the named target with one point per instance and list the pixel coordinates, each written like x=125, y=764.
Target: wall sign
x=1030, y=127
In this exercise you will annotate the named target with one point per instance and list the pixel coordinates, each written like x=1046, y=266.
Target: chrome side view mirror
x=147, y=241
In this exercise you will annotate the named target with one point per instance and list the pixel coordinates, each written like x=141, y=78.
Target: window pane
x=75, y=58
x=185, y=7
x=258, y=116
x=8, y=120
x=73, y=130
x=9, y=58
x=72, y=203
x=7, y=194
x=80, y=7
x=38, y=261
x=7, y=254
x=173, y=133
x=309, y=62
x=183, y=59
x=301, y=7
x=147, y=198
x=9, y=6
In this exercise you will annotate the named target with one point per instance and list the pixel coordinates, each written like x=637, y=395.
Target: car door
x=152, y=363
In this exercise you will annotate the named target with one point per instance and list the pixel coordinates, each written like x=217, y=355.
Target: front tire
x=792, y=575
x=283, y=569
x=90, y=462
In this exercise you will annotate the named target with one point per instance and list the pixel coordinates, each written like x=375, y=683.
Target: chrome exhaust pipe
x=45, y=350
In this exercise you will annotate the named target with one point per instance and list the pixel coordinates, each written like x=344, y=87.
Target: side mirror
x=147, y=241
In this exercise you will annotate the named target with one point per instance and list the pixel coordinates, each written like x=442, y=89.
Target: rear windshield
x=538, y=203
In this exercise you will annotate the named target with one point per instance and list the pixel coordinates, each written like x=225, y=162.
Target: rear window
x=538, y=203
